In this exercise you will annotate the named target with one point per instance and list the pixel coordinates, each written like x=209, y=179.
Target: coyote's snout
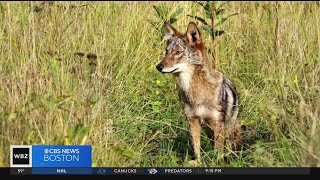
x=208, y=97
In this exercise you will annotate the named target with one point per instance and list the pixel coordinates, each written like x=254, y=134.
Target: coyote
x=208, y=97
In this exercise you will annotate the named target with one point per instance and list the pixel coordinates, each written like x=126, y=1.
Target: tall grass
x=51, y=93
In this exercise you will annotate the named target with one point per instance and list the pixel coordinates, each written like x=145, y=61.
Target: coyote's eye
x=178, y=52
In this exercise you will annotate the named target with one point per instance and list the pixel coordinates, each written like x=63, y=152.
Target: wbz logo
x=20, y=156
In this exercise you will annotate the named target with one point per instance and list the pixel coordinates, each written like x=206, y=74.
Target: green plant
x=78, y=132
x=164, y=14
x=213, y=14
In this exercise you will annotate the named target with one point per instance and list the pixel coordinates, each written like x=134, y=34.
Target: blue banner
x=61, y=156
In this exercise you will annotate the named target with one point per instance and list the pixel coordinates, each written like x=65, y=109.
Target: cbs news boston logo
x=47, y=158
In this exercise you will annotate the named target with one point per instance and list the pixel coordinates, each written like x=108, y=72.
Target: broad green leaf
x=208, y=14
x=222, y=4
x=71, y=134
x=164, y=10
x=158, y=14
x=220, y=11
x=207, y=7
x=222, y=20
x=201, y=4
x=199, y=19
x=52, y=104
x=128, y=154
x=154, y=24
x=82, y=132
x=218, y=33
x=172, y=20
x=207, y=28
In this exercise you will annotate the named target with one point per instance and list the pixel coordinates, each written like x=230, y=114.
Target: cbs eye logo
x=20, y=156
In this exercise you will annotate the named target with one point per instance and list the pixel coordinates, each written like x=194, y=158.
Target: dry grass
x=53, y=92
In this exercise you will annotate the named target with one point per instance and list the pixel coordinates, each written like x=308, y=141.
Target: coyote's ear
x=193, y=34
x=169, y=31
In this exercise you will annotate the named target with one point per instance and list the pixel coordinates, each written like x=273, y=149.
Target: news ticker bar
x=165, y=171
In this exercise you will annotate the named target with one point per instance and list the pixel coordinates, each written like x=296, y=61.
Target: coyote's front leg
x=195, y=132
